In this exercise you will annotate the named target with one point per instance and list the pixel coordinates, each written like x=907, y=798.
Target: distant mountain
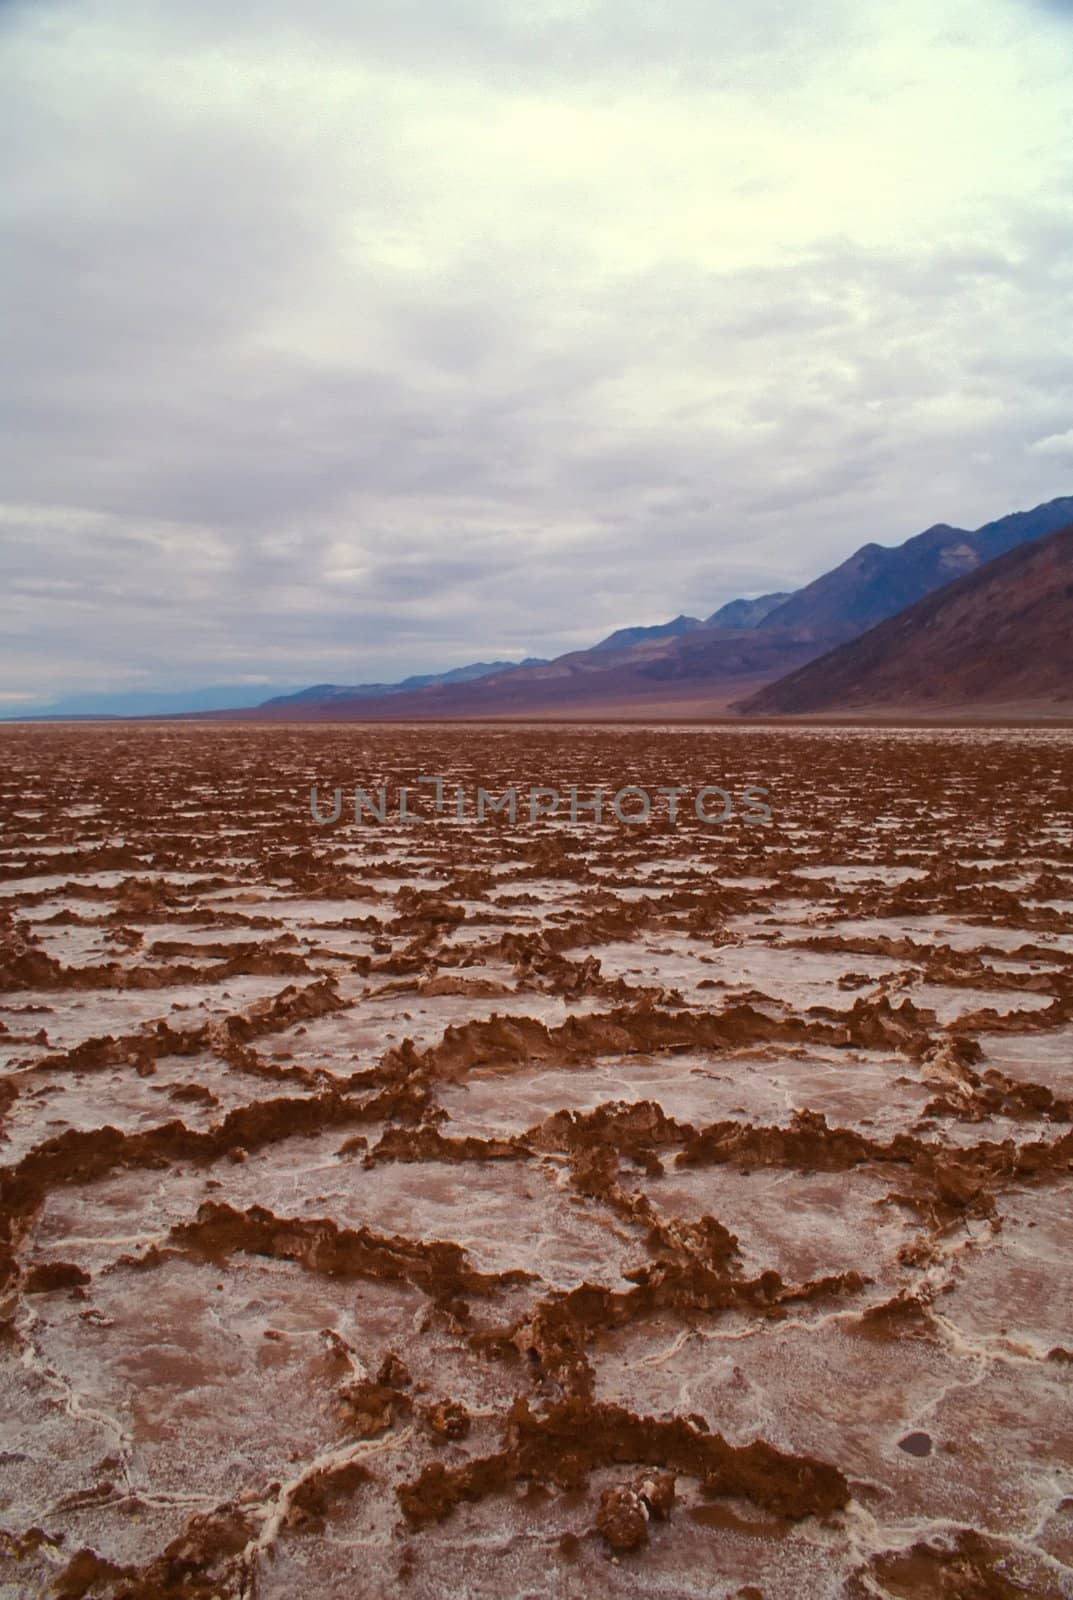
x=322, y=693
x=735, y=614
x=658, y=679
x=661, y=673
x=146, y=702
x=237, y=697
x=624, y=638
x=327, y=693
x=877, y=581
x=999, y=638
x=746, y=613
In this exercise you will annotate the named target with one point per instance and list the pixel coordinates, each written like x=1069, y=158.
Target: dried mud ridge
x=488, y=1210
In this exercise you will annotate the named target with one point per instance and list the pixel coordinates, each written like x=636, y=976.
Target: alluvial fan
x=434, y=1200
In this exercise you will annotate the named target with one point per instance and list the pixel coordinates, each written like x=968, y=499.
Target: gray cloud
x=400, y=338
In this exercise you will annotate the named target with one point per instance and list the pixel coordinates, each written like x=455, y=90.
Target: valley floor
x=536, y=1208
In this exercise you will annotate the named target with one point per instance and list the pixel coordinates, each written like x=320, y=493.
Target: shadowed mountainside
x=877, y=581
x=999, y=637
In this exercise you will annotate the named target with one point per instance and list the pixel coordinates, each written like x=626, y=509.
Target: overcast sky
x=374, y=336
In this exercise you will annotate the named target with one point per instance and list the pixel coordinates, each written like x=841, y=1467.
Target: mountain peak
x=626, y=638
x=997, y=637
x=746, y=613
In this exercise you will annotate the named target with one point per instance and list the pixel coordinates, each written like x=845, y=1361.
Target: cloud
x=1055, y=444
x=400, y=336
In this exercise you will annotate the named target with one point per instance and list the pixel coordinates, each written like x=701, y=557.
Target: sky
x=370, y=337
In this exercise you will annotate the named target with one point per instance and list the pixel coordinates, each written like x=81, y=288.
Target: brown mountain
x=688, y=668
x=998, y=641
x=666, y=676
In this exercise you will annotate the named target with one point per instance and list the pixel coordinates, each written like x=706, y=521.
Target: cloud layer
x=407, y=334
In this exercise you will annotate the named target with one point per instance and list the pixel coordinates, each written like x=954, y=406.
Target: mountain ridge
x=703, y=670
x=422, y=680
x=997, y=636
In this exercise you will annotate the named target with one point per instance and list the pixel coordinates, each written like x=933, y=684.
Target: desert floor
x=548, y=1208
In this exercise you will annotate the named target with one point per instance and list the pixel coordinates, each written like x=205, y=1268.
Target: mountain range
x=143, y=703
x=330, y=693
x=690, y=667
x=775, y=654
x=235, y=697
x=998, y=641
x=876, y=581
x=735, y=614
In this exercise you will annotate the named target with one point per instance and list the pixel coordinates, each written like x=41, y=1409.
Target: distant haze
x=361, y=340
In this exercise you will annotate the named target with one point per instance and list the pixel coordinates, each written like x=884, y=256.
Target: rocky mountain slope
x=1000, y=637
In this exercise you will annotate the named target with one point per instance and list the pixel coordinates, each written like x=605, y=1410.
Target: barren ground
x=467, y=1209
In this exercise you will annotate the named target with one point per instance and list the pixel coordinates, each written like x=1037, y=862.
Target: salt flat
x=400, y=1208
